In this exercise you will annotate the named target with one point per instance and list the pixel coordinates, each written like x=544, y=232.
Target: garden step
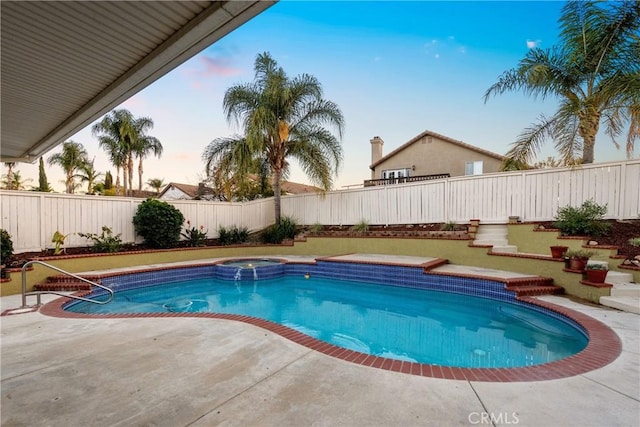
x=616, y=277
x=491, y=242
x=628, y=304
x=505, y=249
x=625, y=290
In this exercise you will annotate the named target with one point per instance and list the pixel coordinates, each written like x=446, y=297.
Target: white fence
x=533, y=195
x=31, y=218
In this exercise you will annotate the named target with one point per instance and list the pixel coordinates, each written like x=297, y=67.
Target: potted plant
x=558, y=251
x=578, y=259
x=596, y=273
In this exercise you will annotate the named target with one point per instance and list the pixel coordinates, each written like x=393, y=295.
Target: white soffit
x=64, y=63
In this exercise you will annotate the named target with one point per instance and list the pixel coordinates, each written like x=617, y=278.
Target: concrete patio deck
x=203, y=372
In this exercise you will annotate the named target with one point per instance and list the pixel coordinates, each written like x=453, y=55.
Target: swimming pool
x=394, y=312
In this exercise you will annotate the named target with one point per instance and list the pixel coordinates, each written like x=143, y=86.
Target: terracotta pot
x=558, y=251
x=578, y=263
x=596, y=276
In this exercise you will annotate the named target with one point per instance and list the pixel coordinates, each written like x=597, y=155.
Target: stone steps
x=494, y=235
x=624, y=303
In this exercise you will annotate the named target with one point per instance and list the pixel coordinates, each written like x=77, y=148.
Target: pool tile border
x=603, y=348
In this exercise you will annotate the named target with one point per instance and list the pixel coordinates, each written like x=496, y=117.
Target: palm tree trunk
x=140, y=175
x=118, y=181
x=588, y=128
x=70, y=182
x=125, y=179
x=130, y=174
x=277, y=176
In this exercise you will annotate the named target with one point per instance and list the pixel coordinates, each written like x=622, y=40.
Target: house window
x=473, y=168
x=395, y=173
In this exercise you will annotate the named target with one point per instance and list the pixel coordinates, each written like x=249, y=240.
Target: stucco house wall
x=430, y=153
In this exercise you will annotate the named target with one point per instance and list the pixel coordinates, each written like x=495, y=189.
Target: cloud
x=217, y=67
x=533, y=44
x=205, y=68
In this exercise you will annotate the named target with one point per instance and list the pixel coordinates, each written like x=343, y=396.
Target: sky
x=395, y=69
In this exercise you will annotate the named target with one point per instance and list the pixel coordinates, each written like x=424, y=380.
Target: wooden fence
x=31, y=218
x=533, y=195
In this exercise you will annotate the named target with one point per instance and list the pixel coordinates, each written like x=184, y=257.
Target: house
x=429, y=155
x=176, y=191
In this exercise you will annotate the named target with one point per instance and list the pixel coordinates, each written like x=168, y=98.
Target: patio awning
x=64, y=64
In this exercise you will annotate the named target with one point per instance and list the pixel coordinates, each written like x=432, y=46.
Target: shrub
x=361, y=227
x=634, y=241
x=105, y=241
x=195, y=236
x=449, y=226
x=58, y=240
x=159, y=223
x=586, y=220
x=233, y=235
x=316, y=228
x=283, y=229
x=6, y=247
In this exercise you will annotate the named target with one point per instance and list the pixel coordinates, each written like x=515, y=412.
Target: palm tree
x=142, y=145
x=88, y=174
x=111, y=132
x=156, y=184
x=9, y=178
x=72, y=157
x=282, y=118
x=594, y=73
x=15, y=181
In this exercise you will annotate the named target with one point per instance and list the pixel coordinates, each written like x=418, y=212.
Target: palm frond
x=530, y=141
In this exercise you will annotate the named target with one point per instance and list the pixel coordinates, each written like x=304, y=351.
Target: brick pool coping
x=603, y=348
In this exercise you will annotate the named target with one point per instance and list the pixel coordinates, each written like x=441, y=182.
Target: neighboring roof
x=189, y=190
x=65, y=64
x=297, y=188
x=437, y=135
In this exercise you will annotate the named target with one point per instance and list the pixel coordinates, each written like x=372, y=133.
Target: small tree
x=159, y=223
x=43, y=183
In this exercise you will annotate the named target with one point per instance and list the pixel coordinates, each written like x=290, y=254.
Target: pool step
x=62, y=286
x=533, y=287
x=62, y=283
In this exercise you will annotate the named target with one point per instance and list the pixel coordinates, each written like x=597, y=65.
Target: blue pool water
x=396, y=322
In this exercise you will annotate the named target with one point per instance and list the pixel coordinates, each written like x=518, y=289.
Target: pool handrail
x=75, y=276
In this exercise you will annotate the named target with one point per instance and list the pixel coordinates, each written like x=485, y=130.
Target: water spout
x=255, y=274
x=238, y=275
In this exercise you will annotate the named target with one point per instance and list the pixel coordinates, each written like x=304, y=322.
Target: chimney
x=376, y=149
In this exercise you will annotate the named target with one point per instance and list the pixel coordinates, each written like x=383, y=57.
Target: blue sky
x=394, y=68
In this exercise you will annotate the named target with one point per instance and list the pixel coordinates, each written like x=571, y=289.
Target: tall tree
x=112, y=133
x=9, y=176
x=88, y=174
x=72, y=157
x=282, y=118
x=43, y=183
x=108, y=181
x=143, y=145
x=125, y=137
x=594, y=73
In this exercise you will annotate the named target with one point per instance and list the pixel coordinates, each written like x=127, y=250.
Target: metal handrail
x=38, y=293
